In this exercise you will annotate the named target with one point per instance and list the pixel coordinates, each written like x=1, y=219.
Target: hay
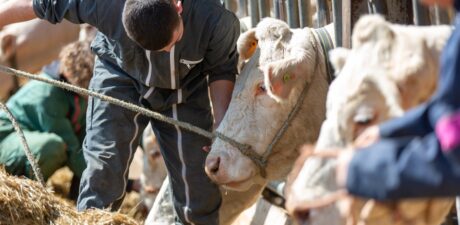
x=26, y=202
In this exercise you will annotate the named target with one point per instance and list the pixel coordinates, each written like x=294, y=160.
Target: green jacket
x=44, y=108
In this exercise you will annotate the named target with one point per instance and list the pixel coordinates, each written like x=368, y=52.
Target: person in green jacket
x=52, y=119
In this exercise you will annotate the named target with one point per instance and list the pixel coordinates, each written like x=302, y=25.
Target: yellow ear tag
x=286, y=78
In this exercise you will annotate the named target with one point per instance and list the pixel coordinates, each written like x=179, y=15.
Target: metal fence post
x=304, y=13
x=292, y=13
x=323, y=13
x=421, y=14
x=254, y=12
x=337, y=18
x=264, y=9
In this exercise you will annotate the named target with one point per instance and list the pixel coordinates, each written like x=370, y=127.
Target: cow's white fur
x=390, y=69
x=254, y=117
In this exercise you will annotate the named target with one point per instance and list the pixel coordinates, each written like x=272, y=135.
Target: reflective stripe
x=149, y=73
x=184, y=168
x=172, y=68
x=179, y=96
x=149, y=92
x=131, y=151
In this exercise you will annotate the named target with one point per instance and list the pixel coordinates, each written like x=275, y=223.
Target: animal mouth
x=238, y=185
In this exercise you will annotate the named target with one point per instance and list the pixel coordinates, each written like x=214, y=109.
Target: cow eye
x=363, y=119
x=261, y=89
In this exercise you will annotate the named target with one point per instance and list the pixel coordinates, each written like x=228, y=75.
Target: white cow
x=291, y=59
x=30, y=45
x=153, y=168
x=390, y=69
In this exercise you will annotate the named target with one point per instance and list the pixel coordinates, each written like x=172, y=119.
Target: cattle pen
x=297, y=14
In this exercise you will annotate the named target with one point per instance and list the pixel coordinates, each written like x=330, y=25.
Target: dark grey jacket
x=208, y=45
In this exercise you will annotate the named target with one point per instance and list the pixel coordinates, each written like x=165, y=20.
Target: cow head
x=389, y=70
x=256, y=113
x=153, y=168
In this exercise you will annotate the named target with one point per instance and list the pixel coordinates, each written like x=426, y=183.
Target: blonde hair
x=77, y=62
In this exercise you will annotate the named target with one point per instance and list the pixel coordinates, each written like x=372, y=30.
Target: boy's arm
x=16, y=11
x=413, y=123
x=221, y=93
x=404, y=168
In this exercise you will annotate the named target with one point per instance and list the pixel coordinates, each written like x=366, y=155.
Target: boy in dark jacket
x=417, y=155
x=164, y=55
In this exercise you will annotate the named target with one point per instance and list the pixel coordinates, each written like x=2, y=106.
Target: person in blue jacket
x=417, y=155
x=173, y=57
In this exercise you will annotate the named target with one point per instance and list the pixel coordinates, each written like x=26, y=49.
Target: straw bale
x=26, y=202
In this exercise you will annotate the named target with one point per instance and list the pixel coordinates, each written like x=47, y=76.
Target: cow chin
x=243, y=185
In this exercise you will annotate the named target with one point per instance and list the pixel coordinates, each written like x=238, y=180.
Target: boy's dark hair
x=150, y=23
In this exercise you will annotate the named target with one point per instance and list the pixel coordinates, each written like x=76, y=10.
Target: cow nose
x=302, y=217
x=212, y=165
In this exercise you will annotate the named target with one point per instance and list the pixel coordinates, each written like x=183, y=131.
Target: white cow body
x=390, y=69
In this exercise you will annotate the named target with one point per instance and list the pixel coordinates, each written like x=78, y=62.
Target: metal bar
x=441, y=16
x=276, y=6
x=322, y=13
x=337, y=18
x=378, y=6
x=254, y=12
x=346, y=23
x=263, y=9
x=421, y=14
x=293, y=13
x=304, y=13
x=282, y=4
x=243, y=8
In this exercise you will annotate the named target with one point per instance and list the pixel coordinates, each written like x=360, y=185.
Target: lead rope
x=243, y=148
x=30, y=157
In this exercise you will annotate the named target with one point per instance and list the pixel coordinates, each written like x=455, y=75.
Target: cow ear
x=7, y=45
x=372, y=28
x=338, y=58
x=279, y=81
x=247, y=44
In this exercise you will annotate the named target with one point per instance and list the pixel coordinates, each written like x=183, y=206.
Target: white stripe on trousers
x=131, y=151
x=184, y=168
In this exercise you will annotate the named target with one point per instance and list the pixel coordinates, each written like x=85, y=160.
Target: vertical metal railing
x=292, y=13
x=304, y=13
x=421, y=14
x=254, y=12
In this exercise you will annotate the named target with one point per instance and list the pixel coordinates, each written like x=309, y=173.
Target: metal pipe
x=337, y=18
x=276, y=7
x=378, y=6
x=304, y=13
x=441, y=16
x=346, y=23
x=254, y=12
x=322, y=13
x=264, y=10
x=292, y=13
x=421, y=14
x=243, y=8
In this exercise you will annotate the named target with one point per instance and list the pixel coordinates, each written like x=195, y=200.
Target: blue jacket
x=418, y=154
